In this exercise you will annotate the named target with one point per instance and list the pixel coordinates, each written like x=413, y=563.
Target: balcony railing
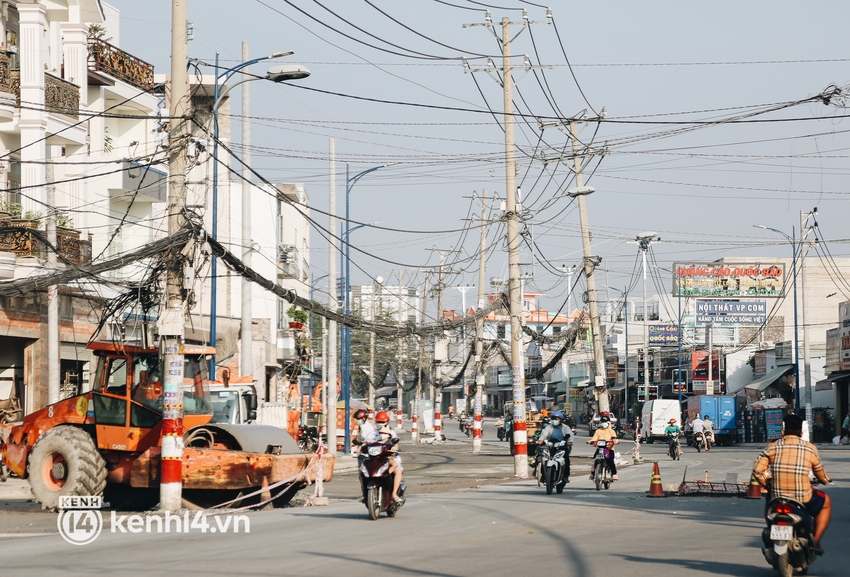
x=59, y=95
x=27, y=242
x=111, y=60
x=6, y=74
x=287, y=262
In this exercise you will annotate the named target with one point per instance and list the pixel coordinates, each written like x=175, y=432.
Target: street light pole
x=278, y=75
x=349, y=184
x=794, y=252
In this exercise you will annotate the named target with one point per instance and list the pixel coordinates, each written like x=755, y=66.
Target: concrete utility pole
x=512, y=217
x=246, y=334
x=590, y=264
x=172, y=320
x=325, y=411
x=333, y=303
x=375, y=288
x=400, y=371
x=415, y=435
x=519, y=430
x=807, y=365
x=644, y=241
x=53, y=354
x=479, y=329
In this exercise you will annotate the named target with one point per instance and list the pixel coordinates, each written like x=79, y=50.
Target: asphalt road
x=508, y=528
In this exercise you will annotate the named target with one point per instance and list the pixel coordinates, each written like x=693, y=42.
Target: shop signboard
x=663, y=334
x=731, y=312
x=721, y=280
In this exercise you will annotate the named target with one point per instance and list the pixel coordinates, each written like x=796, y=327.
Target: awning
x=453, y=389
x=385, y=391
x=826, y=384
x=582, y=384
x=770, y=378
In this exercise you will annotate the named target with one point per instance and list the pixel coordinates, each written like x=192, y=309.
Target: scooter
x=602, y=475
x=308, y=439
x=377, y=481
x=553, y=457
x=699, y=441
x=675, y=448
x=500, y=429
x=788, y=540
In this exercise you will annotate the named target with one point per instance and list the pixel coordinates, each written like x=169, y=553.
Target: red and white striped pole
x=414, y=427
x=172, y=321
x=438, y=418
x=398, y=424
x=476, y=424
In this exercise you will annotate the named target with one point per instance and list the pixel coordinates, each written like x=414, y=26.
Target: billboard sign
x=728, y=280
x=732, y=312
x=833, y=350
x=663, y=334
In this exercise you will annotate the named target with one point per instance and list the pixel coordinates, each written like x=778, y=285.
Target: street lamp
x=275, y=74
x=793, y=241
x=346, y=377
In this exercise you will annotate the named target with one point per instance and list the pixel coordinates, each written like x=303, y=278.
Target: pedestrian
x=845, y=426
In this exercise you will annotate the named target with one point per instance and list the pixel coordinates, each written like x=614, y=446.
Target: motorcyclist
x=697, y=426
x=556, y=431
x=786, y=464
x=708, y=428
x=544, y=422
x=671, y=430
x=383, y=435
x=364, y=432
x=604, y=432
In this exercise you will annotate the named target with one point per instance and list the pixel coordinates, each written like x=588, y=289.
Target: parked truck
x=721, y=410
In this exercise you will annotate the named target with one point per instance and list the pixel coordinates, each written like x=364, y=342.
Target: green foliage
x=98, y=32
x=64, y=220
x=297, y=315
x=13, y=208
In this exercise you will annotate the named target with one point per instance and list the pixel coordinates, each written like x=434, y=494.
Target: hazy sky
x=655, y=66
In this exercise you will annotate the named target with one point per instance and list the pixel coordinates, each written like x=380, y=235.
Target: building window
x=500, y=331
x=556, y=330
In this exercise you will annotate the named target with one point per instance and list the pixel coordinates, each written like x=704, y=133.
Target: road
x=505, y=528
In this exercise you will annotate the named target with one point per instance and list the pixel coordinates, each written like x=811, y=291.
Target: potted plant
x=298, y=317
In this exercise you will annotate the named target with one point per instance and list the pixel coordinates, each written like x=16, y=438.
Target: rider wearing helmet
x=604, y=432
x=556, y=431
x=365, y=428
x=383, y=435
x=672, y=430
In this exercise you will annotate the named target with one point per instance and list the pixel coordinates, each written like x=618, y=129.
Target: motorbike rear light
x=783, y=509
x=781, y=523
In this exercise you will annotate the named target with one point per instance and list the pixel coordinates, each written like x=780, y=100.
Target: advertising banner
x=728, y=280
x=663, y=334
x=732, y=312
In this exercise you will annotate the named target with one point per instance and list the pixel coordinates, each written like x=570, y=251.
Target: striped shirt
x=787, y=463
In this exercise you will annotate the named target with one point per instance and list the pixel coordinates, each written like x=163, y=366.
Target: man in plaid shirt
x=786, y=463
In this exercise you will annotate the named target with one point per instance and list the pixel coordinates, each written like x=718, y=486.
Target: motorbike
x=788, y=537
x=376, y=480
x=308, y=438
x=675, y=448
x=701, y=441
x=552, y=458
x=500, y=429
x=461, y=423
x=467, y=426
x=602, y=475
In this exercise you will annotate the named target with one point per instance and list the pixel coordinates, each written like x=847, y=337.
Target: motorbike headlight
x=375, y=451
x=383, y=469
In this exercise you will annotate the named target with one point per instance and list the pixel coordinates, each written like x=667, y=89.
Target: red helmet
x=672, y=421
x=382, y=417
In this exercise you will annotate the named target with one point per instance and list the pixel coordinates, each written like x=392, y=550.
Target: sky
x=712, y=126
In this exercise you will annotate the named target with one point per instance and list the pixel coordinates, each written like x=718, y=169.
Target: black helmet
x=546, y=420
x=360, y=414
x=605, y=419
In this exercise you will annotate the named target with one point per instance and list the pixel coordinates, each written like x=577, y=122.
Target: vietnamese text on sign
x=728, y=280
x=732, y=312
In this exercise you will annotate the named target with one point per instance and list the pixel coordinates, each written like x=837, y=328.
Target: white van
x=656, y=416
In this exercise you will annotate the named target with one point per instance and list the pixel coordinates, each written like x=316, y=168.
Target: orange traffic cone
x=655, y=487
x=754, y=490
